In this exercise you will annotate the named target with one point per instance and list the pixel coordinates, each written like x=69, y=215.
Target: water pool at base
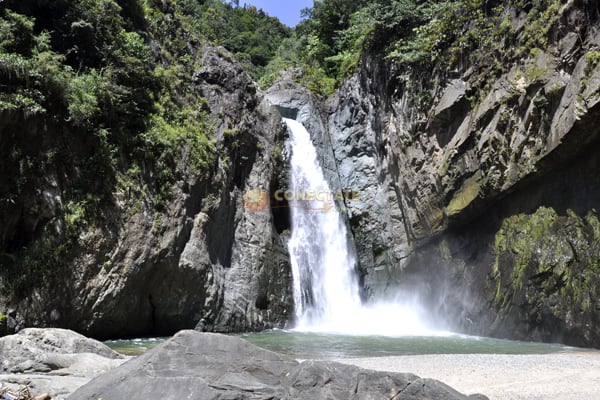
x=318, y=345
x=326, y=346
x=134, y=347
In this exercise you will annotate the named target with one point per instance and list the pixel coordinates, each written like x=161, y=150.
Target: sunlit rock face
x=444, y=167
x=456, y=179
x=476, y=195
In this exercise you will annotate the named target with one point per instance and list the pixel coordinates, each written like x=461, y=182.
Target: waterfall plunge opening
x=326, y=288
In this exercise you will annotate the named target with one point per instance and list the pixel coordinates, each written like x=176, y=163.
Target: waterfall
x=325, y=285
x=326, y=289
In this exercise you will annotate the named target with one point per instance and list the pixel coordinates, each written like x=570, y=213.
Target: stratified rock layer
x=453, y=180
x=476, y=192
x=444, y=185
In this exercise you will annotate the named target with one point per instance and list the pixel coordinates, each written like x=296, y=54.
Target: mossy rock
x=3, y=325
x=465, y=195
x=545, y=275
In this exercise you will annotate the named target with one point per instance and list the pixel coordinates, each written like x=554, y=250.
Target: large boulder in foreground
x=212, y=366
x=32, y=349
x=57, y=361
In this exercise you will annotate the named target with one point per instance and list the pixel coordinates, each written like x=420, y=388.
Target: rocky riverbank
x=193, y=365
x=211, y=366
x=68, y=365
x=478, y=189
x=55, y=361
x=557, y=376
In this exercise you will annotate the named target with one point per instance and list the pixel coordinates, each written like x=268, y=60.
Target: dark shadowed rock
x=212, y=366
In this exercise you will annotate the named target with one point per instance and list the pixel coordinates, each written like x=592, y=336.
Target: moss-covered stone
x=546, y=272
x=465, y=195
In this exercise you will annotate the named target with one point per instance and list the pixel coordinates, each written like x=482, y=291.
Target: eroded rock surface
x=446, y=165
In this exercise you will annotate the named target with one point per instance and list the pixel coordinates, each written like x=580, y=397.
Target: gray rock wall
x=296, y=102
x=440, y=184
x=208, y=260
x=449, y=176
x=439, y=181
x=362, y=142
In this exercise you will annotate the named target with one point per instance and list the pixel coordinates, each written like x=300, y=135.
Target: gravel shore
x=566, y=376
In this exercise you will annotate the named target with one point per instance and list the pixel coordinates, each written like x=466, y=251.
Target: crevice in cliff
x=221, y=231
x=281, y=215
x=152, y=316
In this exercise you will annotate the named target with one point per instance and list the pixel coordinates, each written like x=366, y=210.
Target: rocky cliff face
x=481, y=201
x=348, y=145
x=296, y=102
x=484, y=201
x=207, y=260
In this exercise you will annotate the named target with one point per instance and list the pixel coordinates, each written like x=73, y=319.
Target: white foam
x=326, y=291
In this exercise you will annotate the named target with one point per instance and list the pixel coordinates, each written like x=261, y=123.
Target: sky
x=288, y=11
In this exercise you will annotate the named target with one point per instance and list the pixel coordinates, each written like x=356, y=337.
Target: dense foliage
x=416, y=35
x=249, y=33
x=98, y=93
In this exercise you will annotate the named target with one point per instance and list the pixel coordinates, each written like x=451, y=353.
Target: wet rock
x=547, y=265
x=441, y=162
x=366, y=166
x=296, y=102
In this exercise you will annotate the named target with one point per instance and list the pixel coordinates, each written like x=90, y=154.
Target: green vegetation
x=250, y=34
x=592, y=58
x=544, y=253
x=465, y=195
x=416, y=35
x=99, y=94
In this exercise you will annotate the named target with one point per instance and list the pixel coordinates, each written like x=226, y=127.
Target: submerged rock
x=212, y=366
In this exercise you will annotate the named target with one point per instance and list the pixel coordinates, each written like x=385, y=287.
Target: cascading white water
x=325, y=286
x=326, y=290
